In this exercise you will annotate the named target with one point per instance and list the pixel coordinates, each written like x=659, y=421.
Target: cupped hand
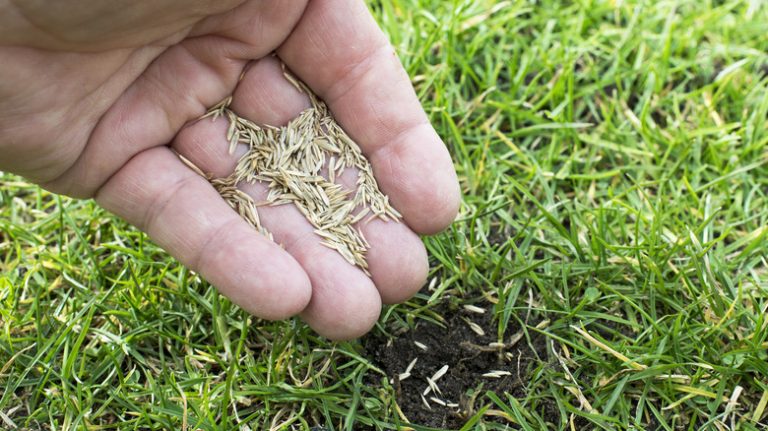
x=96, y=99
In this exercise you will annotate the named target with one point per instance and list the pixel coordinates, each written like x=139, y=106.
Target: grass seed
x=290, y=161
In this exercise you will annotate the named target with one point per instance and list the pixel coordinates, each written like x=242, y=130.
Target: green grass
x=613, y=157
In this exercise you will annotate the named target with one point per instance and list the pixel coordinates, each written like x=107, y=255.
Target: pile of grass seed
x=291, y=161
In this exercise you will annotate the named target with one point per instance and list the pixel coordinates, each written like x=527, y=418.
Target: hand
x=95, y=98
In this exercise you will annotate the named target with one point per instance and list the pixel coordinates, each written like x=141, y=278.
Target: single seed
x=474, y=309
x=497, y=374
x=515, y=339
x=475, y=327
x=411, y=365
x=432, y=284
x=439, y=373
x=438, y=401
x=426, y=404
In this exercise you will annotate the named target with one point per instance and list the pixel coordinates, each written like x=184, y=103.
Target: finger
x=397, y=258
x=370, y=94
x=184, y=215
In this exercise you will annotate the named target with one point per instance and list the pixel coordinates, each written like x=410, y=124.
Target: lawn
x=608, y=269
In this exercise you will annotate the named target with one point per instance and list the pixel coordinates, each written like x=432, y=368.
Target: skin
x=96, y=99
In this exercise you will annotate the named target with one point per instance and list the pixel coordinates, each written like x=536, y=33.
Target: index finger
x=339, y=51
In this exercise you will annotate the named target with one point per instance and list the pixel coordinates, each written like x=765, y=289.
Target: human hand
x=95, y=98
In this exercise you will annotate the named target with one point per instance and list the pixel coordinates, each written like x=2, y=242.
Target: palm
x=103, y=124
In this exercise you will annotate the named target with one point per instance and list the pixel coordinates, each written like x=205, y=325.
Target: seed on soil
x=421, y=346
x=515, y=338
x=474, y=309
x=432, y=381
x=407, y=373
x=411, y=365
x=475, y=327
x=439, y=373
x=497, y=374
x=468, y=355
x=426, y=404
x=432, y=284
x=431, y=387
x=438, y=401
x=290, y=161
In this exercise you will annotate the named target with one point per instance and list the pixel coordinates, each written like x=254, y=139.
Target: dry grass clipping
x=290, y=160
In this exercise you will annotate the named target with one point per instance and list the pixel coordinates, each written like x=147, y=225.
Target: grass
x=613, y=160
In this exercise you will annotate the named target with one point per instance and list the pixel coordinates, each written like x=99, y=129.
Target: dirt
x=468, y=357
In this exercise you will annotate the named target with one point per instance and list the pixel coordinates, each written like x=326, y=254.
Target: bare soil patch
x=476, y=362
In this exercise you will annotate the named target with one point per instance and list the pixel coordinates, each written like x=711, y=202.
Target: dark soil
x=468, y=356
